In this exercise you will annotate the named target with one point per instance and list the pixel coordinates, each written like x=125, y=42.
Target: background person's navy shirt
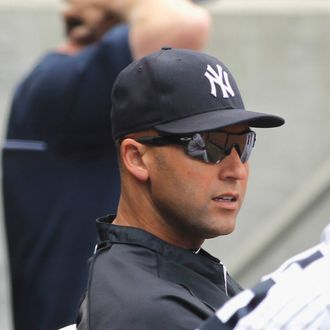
x=59, y=174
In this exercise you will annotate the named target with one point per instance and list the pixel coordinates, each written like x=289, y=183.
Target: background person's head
x=184, y=138
x=86, y=21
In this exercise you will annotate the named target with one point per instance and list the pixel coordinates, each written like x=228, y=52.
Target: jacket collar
x=202, y=274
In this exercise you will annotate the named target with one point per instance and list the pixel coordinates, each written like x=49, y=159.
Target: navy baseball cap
x=179, y=91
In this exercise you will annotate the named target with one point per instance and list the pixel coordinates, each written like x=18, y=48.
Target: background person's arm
x=176, y=23
x=155, y=23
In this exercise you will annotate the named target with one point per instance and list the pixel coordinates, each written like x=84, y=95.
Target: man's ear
x=132, y=158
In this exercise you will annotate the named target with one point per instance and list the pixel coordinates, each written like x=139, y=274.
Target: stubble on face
x=182, y=194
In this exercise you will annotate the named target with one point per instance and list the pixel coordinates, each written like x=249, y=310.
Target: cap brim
x=218, y=119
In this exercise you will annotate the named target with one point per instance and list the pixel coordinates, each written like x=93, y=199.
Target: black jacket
x=138, y=281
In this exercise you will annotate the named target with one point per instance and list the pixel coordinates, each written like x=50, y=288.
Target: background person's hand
x=87, y=20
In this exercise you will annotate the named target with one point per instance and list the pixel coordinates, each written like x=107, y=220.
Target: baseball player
x=184, y=140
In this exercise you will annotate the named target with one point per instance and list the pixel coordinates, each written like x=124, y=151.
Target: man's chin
x=223, y=231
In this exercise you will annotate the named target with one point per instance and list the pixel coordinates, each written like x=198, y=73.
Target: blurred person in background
x=59, y=162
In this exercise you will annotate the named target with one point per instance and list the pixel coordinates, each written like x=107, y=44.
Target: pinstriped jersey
x=295, y=296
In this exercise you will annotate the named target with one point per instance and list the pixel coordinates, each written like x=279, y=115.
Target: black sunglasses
x=210, y=147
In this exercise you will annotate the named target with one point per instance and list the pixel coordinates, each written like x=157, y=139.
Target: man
x=59, y=162
x=295, y=296
x=184, y=141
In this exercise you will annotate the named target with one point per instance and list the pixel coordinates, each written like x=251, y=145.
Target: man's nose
x=233, y=168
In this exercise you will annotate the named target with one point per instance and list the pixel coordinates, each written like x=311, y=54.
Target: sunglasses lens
x=215, y=153
x=216, y=146
x=249, y=144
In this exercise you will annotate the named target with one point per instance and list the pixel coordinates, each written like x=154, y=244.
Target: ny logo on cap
x=220, y=78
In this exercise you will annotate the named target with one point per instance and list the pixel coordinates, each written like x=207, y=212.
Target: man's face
x=196, y=200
